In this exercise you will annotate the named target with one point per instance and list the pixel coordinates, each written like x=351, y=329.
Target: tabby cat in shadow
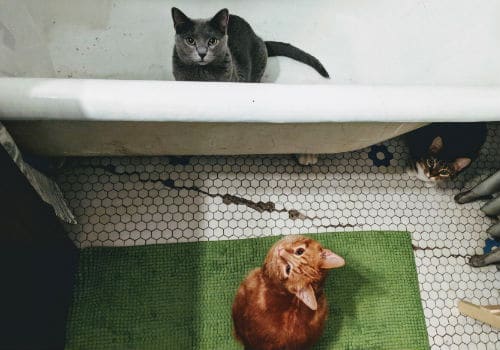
x=441, y=151
x=282, y=305
x=225, y=48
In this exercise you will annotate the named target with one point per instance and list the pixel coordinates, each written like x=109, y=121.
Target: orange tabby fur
x=282, y=306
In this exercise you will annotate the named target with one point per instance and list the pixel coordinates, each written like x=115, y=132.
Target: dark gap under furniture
x=37, y=266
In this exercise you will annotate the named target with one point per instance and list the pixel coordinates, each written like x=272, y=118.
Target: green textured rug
x=178, y=296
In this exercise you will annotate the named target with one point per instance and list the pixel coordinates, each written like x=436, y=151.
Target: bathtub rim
x=166, y=101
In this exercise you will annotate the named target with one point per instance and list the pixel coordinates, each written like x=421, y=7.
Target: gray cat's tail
x=276, y=48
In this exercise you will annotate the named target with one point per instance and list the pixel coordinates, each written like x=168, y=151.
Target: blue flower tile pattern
x=380, y=155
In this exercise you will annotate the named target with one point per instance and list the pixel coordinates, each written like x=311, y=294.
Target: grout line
x=226, y=199
x=415, y=248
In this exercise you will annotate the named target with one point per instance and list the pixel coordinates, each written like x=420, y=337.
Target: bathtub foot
x=307, y=159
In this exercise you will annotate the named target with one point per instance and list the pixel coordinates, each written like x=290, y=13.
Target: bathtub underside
x=87, y=138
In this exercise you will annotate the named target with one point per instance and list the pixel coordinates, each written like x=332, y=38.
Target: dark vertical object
x=37, y=266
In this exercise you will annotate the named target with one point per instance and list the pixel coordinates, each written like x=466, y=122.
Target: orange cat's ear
x=331, y=260
x=306, y=295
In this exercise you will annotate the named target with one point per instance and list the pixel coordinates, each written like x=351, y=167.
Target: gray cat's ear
x=461, y=163
x=331, y=260
x=436, y=145
x=307, y=296
x=180, y=19
x=220, y=20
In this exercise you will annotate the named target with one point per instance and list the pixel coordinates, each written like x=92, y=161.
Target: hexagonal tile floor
x=133, y=201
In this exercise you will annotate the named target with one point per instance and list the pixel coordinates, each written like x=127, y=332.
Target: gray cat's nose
x=202, y=51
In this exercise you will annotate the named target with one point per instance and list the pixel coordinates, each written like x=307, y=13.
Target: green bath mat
x=178, y=296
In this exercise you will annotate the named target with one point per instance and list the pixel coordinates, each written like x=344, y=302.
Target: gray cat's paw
x=307, y=159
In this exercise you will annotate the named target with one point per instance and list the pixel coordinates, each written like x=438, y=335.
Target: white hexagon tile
x=148, y=200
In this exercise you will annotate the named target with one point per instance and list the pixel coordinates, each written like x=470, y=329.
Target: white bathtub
x=94, y=77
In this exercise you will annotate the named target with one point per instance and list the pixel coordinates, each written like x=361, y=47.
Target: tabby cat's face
x=435, y=169
x=431, y=168
x=298, y=262
x=200, y=42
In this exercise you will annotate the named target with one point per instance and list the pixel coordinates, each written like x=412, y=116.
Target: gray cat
x=225, y=48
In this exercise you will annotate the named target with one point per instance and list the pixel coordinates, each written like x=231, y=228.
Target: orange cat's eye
x=288, y=268
x=300, y=251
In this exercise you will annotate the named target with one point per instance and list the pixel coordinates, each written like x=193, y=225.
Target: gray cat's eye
x=190, y=41
x=444, y=172
x=212, y=41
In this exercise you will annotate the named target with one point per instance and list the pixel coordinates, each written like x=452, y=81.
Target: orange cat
x=282, y=306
